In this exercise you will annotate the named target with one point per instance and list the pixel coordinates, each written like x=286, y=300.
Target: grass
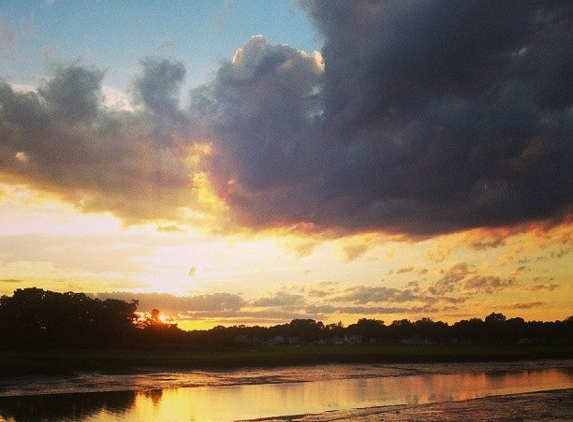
x=13, y=363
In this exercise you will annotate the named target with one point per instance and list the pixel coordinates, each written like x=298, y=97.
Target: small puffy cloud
x=174, y=305
x=171, y=228
x=527, y=305
x=215, y=301
x=354, y=251
x=7, y=39
x=364, y=295
x=451, y=279
x=192, y=271
x=540, y=287
x=302, y=247
x=280, y=299
x=487, y=284
x=372, y=310
x=465, y=278
x=405, y=270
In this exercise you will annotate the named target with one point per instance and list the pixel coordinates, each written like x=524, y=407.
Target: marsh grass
x=13, y=363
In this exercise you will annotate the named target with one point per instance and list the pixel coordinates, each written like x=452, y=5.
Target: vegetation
x=48, y=332
x=29, y=362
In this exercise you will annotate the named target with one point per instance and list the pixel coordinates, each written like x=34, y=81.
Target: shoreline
x=149, y=378
x=550, y=405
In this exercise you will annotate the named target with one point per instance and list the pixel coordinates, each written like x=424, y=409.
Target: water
x=250, y=394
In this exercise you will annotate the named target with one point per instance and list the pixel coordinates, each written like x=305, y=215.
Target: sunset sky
x=252, y=162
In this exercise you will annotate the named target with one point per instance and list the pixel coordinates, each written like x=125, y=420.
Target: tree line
x=34, y=317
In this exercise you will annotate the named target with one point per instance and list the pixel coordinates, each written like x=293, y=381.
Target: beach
x=555, y=406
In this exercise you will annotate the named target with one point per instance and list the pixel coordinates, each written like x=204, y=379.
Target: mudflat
x=555, y=406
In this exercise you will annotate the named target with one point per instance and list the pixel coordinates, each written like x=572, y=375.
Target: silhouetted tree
x=369, y=329
x=35, y=317
x=306, y=329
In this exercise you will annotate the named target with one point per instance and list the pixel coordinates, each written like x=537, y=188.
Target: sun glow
x=26, y=211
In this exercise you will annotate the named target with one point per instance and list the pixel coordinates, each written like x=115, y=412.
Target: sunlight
x=25, y=211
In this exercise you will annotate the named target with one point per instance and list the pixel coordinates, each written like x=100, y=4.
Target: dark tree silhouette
x=34, y=317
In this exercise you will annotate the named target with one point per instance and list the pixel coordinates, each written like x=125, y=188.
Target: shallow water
x=258, y=393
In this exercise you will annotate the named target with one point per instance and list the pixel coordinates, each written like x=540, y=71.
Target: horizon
x=236, y=162
x=153, y=313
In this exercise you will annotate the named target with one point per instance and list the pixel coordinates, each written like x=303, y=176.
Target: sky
x=253, y=162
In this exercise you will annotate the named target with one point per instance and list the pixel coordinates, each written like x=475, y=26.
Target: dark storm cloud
x=433, y=117
x=421, y=118
x=260, y=113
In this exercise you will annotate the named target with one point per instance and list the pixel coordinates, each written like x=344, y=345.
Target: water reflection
x=229, y=403
x=65, y=407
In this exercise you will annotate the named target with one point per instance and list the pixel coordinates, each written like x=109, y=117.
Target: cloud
x=174, y=305
x=157, y=88
x=405, y=270
x=354, y=251
x=364, y=295
x=487, y=284
x=540, y=287
x=463, y=278
x=432, y=118
x=448, y=139
x=99, y=159
x=74, y=94
x=302, y=247
x=7, y=39
x=260, y=113
x=172, y=228
x=370, y=310
x=451, y=279
x=280, y=299
x=528, y=305
x=415, y=119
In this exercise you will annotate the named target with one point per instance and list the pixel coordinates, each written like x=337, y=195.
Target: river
x=219, y=396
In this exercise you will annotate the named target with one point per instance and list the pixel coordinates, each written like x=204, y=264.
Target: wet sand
x=555, y=406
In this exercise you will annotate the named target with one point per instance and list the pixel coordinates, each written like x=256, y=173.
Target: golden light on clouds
x=30, y=211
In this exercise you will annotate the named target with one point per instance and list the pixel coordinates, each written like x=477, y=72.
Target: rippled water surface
x=258, y=393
